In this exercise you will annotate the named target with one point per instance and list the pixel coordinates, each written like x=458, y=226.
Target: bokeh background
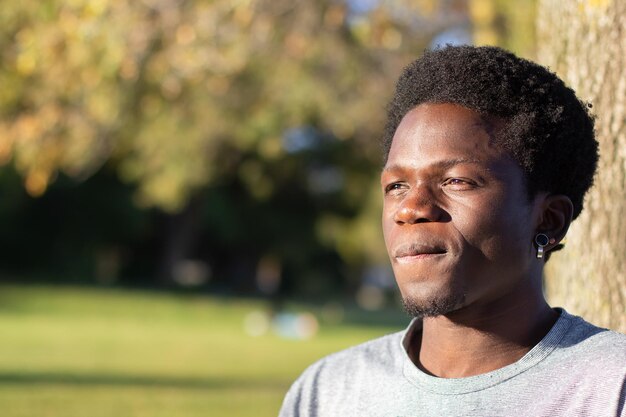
x=189, y=206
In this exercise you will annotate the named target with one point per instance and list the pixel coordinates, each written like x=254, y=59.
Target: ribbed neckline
x=451, y=386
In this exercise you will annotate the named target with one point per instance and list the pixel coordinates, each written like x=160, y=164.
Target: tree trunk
x=583, y=41
x=181, y=238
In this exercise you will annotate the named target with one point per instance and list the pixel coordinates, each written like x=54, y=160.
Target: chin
x=425, y=301
x=433, y=307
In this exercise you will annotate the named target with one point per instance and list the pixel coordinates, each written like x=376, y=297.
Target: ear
x=554, y=218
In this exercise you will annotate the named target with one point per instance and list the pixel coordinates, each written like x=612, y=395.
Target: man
x=487, y=160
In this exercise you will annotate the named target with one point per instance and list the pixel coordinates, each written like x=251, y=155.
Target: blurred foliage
x=154, y=131
x=508, y=24
x=161, y=85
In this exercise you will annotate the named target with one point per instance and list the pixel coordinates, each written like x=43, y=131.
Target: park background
x=190, y=207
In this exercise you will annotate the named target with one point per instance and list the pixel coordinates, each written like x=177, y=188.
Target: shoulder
x=591, y=338
x=326, y=384
x=382, y=351
x=599, y=348
x=586, y=372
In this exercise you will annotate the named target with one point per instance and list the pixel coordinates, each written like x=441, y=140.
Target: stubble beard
x=435, y=306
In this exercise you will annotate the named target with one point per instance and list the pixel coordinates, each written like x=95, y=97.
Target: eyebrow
x=444, y=164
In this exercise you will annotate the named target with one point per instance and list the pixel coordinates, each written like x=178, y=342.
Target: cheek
x=500, y=232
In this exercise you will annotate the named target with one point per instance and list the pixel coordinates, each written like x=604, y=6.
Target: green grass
x=103, y=352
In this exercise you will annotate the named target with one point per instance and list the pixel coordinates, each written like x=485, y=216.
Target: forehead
x=431, y=133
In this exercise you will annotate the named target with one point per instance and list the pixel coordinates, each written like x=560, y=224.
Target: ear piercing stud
x=542, y=240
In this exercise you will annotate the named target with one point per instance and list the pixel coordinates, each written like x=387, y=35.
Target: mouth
x=418, y=251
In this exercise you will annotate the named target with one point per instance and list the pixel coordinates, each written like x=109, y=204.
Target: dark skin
x=459, y=228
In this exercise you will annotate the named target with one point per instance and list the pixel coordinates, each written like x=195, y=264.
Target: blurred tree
x=76, y=231
x=251, y=123
x=584, y=42
x=178, y=95
x=507, y=24
x=158, y=85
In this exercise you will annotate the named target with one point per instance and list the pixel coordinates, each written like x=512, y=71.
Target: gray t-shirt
x=576, y=370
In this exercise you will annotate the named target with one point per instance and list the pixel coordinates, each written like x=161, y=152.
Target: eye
x=394, y=187
x=459, y=184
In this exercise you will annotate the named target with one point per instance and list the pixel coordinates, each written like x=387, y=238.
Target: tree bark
x=583, y=41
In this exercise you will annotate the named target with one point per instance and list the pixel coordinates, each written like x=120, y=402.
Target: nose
x=419, y=206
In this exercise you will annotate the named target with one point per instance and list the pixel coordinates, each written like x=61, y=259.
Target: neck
x=479, y=339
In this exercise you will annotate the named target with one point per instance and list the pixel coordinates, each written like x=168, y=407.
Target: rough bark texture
x=584, y=42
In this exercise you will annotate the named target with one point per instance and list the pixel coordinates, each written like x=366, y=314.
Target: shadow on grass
x=145, y=381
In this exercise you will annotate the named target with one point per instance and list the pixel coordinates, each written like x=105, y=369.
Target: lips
x=418, y=250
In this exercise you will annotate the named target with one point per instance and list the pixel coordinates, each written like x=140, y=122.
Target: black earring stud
x=541, y=239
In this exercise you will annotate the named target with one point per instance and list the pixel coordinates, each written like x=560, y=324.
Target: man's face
x=457, y=221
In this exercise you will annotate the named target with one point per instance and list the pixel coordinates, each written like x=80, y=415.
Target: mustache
x=418, y=248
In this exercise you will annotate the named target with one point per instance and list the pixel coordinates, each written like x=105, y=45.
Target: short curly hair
x=547, y=129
